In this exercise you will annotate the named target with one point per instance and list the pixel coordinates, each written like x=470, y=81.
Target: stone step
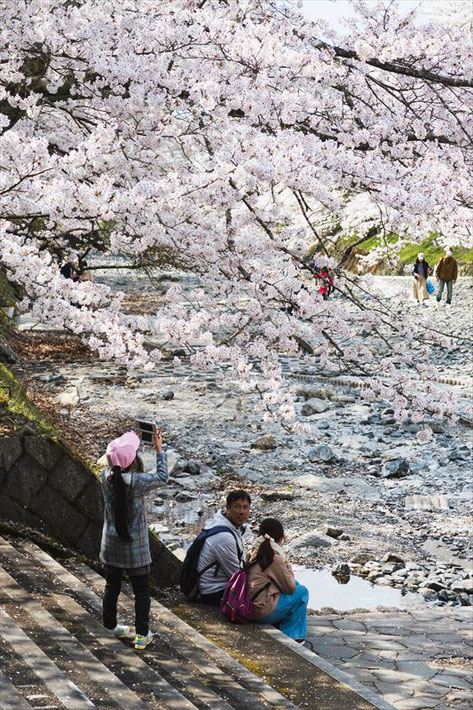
x=123, y=697
x=214, y=663
x=225, y=674
x=10, y=697
x=56, y=680
x=146, y=682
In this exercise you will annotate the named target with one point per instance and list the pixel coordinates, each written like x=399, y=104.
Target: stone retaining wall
x=44, y=487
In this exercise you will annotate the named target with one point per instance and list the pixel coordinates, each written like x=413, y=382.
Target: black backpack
x=189, y=579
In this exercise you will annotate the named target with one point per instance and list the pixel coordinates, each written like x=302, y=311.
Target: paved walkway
x=413, y=659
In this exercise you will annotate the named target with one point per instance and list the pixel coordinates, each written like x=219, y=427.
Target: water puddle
x=356, y=593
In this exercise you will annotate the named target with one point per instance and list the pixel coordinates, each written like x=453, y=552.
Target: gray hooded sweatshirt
x=221, y=548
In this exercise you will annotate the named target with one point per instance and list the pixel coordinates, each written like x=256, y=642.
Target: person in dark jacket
x=421, y=271
x=446, y=272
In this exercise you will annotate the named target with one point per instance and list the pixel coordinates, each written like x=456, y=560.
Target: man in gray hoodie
x=222, y=553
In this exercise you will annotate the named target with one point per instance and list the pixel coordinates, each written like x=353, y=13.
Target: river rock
x=68, y=398
x=271, y=496
x=267, y=442
x=321, y=453
x=310, y=539
x=167, y=395
x=192, y=467
x=314, y=406
x=184, y=496
x=395, y=469
x=332, y=532
x=463, y=585
x=392, y=557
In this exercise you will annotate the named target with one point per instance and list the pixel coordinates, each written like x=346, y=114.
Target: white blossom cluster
x=217, y=129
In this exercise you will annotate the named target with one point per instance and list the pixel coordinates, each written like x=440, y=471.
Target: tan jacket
x=447, y=269
x=281, y=578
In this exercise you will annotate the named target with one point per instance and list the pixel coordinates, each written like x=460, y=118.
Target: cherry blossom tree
x=218, y=131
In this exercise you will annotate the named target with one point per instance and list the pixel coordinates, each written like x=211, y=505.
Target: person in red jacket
x=324, y=276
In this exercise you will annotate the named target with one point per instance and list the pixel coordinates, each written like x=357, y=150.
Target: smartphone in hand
x=147, y=431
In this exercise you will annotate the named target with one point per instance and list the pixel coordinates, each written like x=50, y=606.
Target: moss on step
x=290, y=674
x=18, y=414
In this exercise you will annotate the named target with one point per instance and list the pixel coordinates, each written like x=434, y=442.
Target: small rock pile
x=447, y=584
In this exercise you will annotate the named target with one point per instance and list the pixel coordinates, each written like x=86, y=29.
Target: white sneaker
x=142, y=641
x=121, y=631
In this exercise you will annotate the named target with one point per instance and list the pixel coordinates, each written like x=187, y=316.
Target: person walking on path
x=421, y=271
x=222, y=553
x=446, y=272
x=125, y=542
x=277, y=598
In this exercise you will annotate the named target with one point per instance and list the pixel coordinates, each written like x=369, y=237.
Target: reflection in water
x=342, y=578
x=346, y=593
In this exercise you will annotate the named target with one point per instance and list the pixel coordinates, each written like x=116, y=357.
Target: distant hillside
x=349, y=249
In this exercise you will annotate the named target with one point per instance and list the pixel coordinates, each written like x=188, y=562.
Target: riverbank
x=356, y=470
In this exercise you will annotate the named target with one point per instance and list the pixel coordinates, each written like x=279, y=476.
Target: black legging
x=141, y=591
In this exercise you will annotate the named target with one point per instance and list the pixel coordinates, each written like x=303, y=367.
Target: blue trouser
x=290, y=613
x=449, y=290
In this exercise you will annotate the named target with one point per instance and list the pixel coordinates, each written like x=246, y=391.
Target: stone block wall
x=44, y=487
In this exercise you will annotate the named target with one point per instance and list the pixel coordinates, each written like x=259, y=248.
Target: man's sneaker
x=121, y=631
x=142, y=641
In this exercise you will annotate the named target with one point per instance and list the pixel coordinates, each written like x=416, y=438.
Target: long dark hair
x=121, y=503
x=265, y=554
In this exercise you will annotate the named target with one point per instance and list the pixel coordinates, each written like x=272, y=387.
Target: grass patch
x=432, y=251
x=20, y=412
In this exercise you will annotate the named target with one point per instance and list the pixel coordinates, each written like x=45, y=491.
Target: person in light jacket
x=277, y=598
x=446, y=273
x=420, y=271
x=125, y=537
x=222, y=553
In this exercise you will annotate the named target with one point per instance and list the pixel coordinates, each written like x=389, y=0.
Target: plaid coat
x=114, y=551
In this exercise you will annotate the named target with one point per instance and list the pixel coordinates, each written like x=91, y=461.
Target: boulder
x=392, y=557
x=463, y=585
x=321, y=453
x=310, y=539
x=192, y=467
x=314, y=405
x=267, y=442
x=332, y=532
x=270, y=496
x=396, y=468
x=68, y=398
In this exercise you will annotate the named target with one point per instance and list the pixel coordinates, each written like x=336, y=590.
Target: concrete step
x=56, y=680
x=96, y=651
x=207, y=657
x=221, y=676
x=54, y=612
x=10, y=697
x=97, y=672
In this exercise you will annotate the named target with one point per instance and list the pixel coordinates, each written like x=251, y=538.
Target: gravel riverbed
x=357, y=488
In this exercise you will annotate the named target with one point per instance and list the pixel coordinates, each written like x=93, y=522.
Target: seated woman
x=277, y=598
